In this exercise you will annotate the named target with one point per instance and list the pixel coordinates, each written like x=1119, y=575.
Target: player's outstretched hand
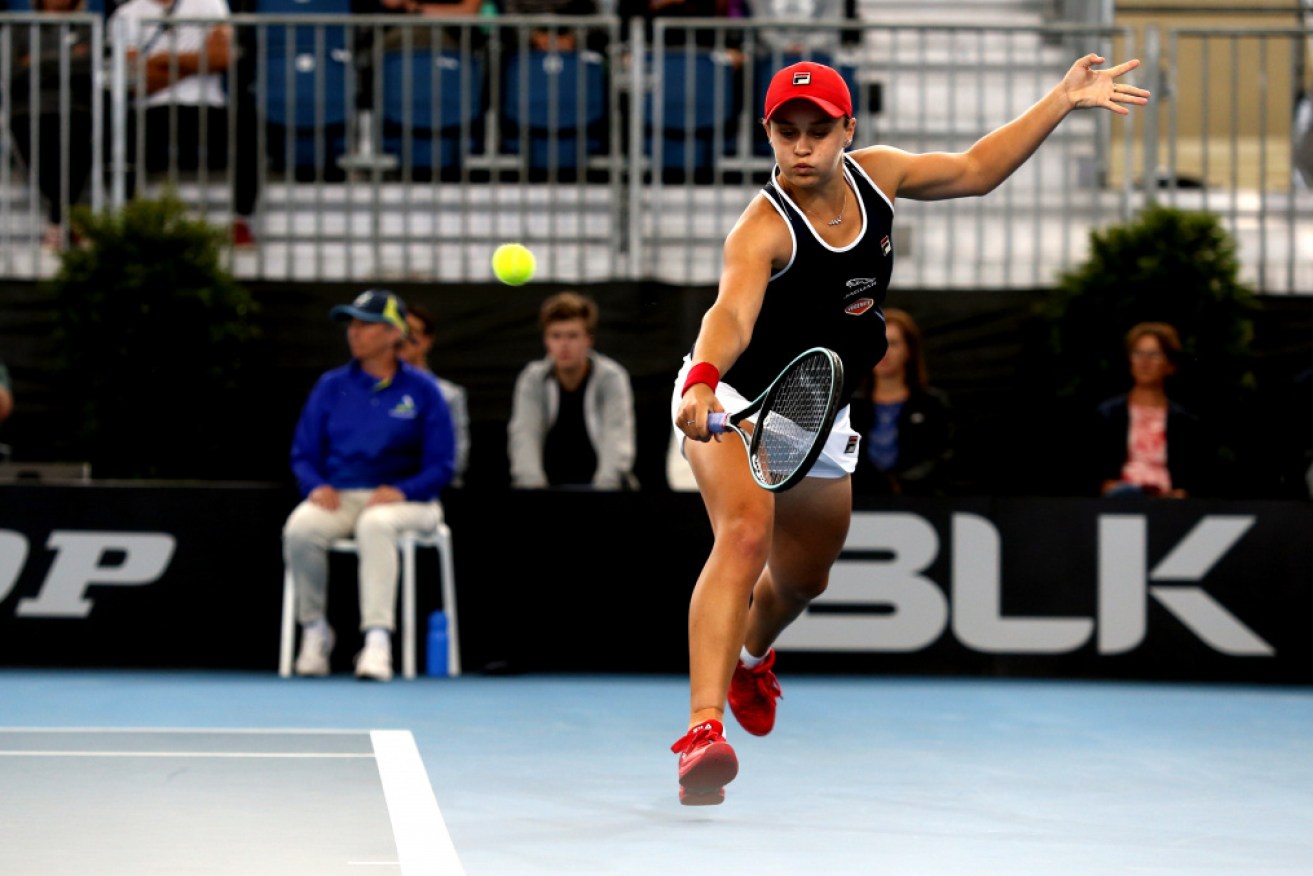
x=1088, y=88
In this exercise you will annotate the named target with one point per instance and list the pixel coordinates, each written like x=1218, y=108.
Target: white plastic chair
x=440, y=540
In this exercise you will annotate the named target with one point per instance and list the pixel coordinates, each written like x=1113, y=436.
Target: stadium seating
x=431, y=99
x=699, y=96
x=308, y=87
x=555, y=104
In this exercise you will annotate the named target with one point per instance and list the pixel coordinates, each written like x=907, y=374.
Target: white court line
x=232, y=754
x=209, y=730
x=423, y=844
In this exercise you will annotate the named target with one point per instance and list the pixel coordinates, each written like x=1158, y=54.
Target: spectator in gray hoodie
x=572, y=417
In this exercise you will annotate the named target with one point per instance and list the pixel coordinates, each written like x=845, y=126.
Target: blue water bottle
x=436, y=653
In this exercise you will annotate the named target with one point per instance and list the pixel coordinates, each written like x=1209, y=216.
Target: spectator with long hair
x=6, y=405
x=905, y=423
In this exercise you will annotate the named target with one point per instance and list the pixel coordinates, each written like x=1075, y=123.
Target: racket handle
x=717, y=422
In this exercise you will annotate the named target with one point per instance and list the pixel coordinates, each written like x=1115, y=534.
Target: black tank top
x=824, y=297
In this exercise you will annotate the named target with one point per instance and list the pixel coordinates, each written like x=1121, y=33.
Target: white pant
x=310, y=529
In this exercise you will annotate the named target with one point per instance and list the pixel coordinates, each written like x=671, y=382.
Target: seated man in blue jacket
x=372, y=452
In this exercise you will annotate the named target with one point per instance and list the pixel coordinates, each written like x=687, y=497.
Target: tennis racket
x=794, y=416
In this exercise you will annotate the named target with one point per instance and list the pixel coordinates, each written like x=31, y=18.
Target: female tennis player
x=807, y=264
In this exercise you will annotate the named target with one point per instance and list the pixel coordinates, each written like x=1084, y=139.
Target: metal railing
x=386, y=148
x=1232, y=141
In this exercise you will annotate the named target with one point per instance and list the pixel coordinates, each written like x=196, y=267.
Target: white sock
x=748, y=660
x=378, y=637
x=319, y=627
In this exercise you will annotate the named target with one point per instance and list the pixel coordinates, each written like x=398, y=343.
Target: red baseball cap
x=808, y=80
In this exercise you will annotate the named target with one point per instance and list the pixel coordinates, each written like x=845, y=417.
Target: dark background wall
x=986, y=349
x=600, y=582
x=527, y=594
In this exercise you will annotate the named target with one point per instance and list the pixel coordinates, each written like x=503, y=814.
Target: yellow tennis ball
x=513, y=263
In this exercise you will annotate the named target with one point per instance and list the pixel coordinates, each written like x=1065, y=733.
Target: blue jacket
x=356, y=432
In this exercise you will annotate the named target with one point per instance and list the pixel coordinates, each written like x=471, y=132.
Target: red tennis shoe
x=706, y=764
x=752, y=695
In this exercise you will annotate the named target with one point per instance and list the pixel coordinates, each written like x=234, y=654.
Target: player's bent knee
x=813, y=589
x=801, y=591
x=745, y=538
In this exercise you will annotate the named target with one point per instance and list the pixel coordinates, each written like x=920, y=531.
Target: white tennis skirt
x=837, y=459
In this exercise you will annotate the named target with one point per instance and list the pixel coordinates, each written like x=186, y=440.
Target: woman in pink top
x=1149, y=444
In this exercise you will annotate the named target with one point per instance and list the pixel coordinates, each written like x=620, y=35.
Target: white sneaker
x=374, y=662
x=316, y=645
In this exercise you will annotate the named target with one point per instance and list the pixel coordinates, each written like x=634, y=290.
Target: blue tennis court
x=121, y=772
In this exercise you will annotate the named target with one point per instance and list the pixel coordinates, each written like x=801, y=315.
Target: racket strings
x=799, y=411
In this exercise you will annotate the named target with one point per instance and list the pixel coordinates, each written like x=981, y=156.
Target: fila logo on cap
x=802, y=78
